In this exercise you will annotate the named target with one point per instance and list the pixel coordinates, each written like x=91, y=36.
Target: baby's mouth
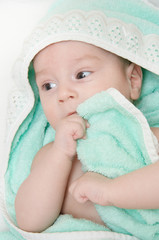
x=71, y=113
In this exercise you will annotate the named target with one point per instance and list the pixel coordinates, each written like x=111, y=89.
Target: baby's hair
x=126, y=61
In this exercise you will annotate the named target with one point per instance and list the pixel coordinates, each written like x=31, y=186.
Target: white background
x=17, y=19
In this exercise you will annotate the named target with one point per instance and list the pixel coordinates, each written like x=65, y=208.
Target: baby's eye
x=83, y=74
x=49, y=86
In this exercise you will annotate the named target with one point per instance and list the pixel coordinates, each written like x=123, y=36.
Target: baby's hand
x=68, y=130
x=91, y=186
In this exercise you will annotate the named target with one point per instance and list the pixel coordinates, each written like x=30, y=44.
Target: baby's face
x=67, y=73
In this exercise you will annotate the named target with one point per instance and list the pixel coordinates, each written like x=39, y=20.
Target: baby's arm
x=40, y=197
x=136, y=190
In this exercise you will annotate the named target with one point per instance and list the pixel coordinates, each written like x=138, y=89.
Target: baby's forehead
x=73, y=49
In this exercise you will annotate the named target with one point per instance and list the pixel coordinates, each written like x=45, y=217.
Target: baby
x=67, y=74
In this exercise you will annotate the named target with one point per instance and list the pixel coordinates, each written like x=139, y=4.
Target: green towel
x=119, y=141
x=29, y=129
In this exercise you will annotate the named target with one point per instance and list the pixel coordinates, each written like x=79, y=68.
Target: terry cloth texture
x=127, y=28
x=119, y=141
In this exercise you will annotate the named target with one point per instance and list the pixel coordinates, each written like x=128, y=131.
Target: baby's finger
x=78, y=131
x=79, y=119
x=76, y=193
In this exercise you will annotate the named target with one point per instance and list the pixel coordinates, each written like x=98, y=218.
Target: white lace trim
x=101, y=28
x=17, y=101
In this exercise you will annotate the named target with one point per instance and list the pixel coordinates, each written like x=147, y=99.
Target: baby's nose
x=66, y=93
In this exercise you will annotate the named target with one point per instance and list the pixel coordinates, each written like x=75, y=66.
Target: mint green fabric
x=115, y=146
x=9, y=236
x=35, y=131
x=66, y=223
x=149, y=99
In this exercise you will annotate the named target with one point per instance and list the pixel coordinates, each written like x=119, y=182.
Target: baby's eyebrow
x=40, y=74
x=87, y=58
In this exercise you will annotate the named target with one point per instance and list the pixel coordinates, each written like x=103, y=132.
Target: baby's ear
x=135, y=77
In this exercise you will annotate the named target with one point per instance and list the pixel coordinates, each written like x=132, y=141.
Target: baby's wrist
x=65, y=152
x=108, y=196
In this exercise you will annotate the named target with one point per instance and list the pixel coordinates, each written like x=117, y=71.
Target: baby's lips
x=71, y=113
